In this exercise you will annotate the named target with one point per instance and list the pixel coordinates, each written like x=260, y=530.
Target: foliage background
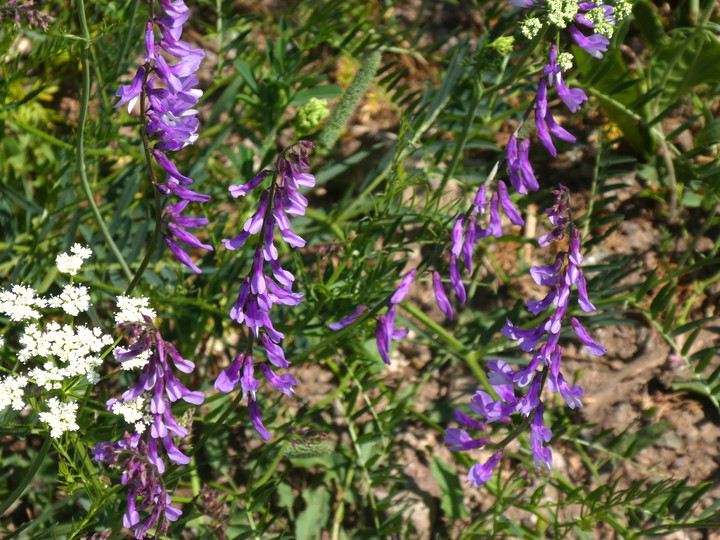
x=359, y=452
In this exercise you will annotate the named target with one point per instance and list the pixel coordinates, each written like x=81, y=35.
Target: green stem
x=460, y=349
x=80, y=143
x=464, y=136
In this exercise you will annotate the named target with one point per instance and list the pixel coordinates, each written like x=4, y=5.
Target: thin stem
x=80, y=143
x=464, y=136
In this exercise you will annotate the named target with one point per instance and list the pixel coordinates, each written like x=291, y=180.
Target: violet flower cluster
x=148, y=405
x=565, y=272
x=543, y=341
x=144, y=482
x=260, y=291
x=167, y=93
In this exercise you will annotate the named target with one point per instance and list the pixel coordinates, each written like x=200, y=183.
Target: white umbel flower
x=132, y=309
x=73, y=300
x=70, y=263
x=61, y=417
x=11, y=392
x=20, y=303
x=134, y=412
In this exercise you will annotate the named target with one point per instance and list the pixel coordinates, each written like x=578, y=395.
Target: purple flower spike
x=347, y=321
x=479, y=474
x=442, y=300
x=171, y=123
x=590, y=344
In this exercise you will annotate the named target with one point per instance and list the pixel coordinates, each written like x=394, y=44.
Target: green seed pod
x=342, y=112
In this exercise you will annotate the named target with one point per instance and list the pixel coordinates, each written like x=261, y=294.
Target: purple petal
x=458, y=439
x=256, y=420
x=481, y=473
x=404, y=287
x=508, y=206
x=590, y=344
x=180, y=254
x=583, y=299
x=347, y=321
x=243, y=190
x=229, y=377
x=440, y=297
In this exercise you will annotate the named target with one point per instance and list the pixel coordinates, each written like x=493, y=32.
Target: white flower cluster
x=62, y=352
x=132, y=310
x=136, y=363
x=12, y=390
x=603, y=26
x=530, y=27
x=565, y=60
x=61, y=417
x=70, y=264
x=73, y=300
x=562, y=12
x=134, y=412
x=623, y=8
x=20, y=303
x=76, y=351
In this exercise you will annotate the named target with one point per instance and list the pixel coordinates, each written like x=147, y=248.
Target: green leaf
x=310, y=522
x=451, y=492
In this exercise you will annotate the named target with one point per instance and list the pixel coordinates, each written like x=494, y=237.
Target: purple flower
x=507, y=205
x=442, y=300
x=229, y=377
x=170, y=121
x=526, y=339
x=467, y=421
x=456, y=280
x=538, y=435
x=595, y=44
x=545, y=122
x=256, y=419
x=404, y=287
x=481, y=473
x=458, y=439
x=573, y=98
x=520, y=170
x=456, y=236
x=130, y=93
x=243, y=190
x=347, y=321
x=590, y=344
x=583, y=298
